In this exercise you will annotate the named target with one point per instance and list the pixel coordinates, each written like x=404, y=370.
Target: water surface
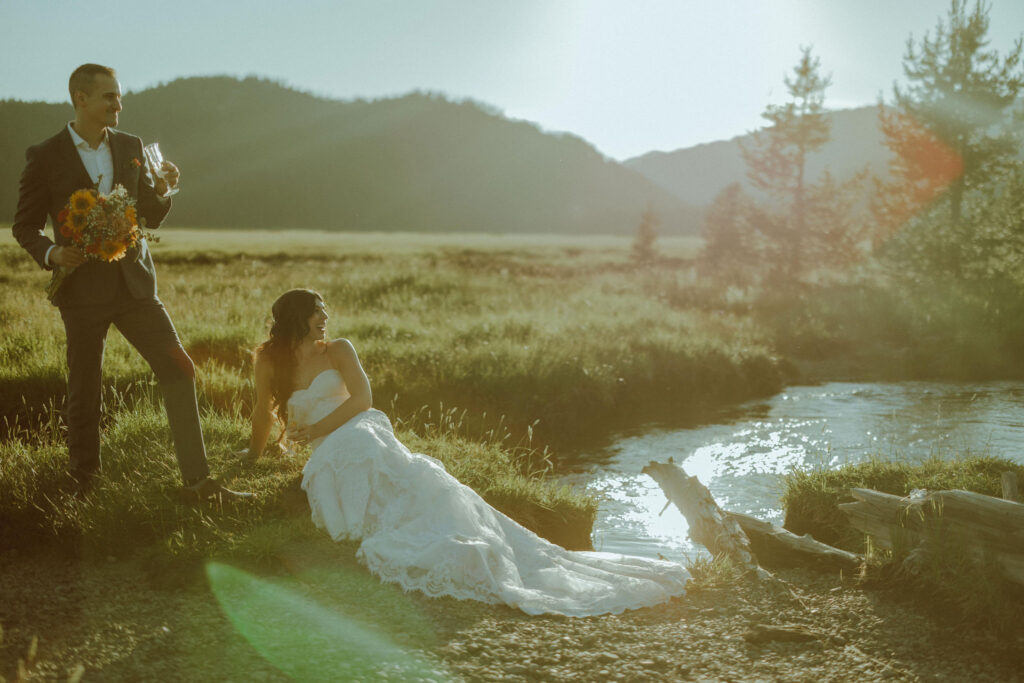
x=742, y=456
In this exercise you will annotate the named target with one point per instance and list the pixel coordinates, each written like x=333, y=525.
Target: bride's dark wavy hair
x=289, y=326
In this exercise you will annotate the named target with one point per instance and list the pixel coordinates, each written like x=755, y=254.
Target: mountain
x=696, y=174
x=256, y=154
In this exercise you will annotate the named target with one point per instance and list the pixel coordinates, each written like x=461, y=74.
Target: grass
x=811, y=497
x=951, y=580
x=870, y=327
x=546, y=339
x=949, y=576
x=493, y=353
x=567, y=335
x=719, y=571
x=135, y=499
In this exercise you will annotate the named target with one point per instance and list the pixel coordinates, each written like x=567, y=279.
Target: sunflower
x=82, y=201
x=130, y=214
x=111, y=251
x=74, y=224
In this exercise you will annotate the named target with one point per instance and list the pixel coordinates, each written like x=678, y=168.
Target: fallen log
x=778, y=547
x=986, y=527
x=709, y=525
x=1009, y=482
x=747, y=540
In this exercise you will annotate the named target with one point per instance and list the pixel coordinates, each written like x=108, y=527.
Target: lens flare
x=307, y=641
x=923, y=167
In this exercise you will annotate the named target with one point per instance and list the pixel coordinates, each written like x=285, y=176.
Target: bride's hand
x=301, y=435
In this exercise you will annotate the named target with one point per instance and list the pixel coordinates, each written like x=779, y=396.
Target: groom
x=89, y=152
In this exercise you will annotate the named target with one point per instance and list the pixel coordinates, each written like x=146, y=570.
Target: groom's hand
x=67, y=257
x=170, y=180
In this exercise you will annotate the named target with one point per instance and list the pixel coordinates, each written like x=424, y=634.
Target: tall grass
x=879, y=328
x=531, y=344
x=568, y=336
x=135, y=505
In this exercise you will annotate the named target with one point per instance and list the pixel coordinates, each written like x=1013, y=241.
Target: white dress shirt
x=98, y=162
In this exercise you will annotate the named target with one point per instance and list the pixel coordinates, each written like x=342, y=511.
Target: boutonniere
x=136, y=163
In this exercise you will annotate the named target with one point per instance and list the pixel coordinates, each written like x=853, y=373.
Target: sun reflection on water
x=742, y=461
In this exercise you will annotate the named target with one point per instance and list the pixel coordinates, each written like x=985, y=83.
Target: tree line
x=952, y=202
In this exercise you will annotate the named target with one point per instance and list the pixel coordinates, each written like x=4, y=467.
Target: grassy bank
x=811, y=497
x=484, y=350
x=952, y=579
x=134, y=504
x=879, y=328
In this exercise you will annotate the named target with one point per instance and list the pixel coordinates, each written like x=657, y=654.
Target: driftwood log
x=747, y=540
x=709, y=525
x=1010, y=486
x=778, y=547
x=987, y=527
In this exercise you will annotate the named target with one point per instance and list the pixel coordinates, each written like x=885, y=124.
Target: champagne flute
x=156, y=160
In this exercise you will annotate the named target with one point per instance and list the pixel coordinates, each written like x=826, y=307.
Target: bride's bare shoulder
x=263, y=366
x=339, y=347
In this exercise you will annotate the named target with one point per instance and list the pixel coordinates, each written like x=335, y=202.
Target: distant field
x=302, y=242
x=564, y=330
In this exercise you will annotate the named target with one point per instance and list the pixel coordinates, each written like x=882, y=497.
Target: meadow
x=497, y=354
x=501, y=356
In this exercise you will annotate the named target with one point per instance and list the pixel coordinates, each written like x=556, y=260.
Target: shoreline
x=168, y=630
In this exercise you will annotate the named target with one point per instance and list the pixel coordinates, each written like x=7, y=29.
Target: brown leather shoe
x=210, y=488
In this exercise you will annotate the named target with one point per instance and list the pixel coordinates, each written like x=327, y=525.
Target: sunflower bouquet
x=104, y=226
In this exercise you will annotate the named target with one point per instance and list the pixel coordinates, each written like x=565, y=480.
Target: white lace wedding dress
x=422, y=529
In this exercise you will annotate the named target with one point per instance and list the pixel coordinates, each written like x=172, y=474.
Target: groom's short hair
x=82, y=78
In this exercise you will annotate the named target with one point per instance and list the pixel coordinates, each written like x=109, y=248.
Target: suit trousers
x=147, y=327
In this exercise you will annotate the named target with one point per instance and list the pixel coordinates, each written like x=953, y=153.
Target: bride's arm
x=262, y=410
x=344, y=359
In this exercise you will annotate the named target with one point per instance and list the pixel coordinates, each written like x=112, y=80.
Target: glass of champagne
x=156, y=160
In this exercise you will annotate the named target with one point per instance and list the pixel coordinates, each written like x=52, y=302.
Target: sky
x=628, y=76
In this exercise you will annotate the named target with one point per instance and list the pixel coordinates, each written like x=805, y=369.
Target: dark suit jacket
x=53, y=171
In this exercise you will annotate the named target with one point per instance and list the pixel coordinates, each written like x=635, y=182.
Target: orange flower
x=111, y=251
x=132, y=217
x=74, y=224
x=82, y=201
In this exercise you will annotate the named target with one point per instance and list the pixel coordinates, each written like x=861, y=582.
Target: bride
x=418, y=526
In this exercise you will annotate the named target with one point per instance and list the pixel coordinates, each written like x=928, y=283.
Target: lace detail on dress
x=421, y=528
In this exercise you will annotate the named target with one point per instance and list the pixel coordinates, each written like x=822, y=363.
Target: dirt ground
x=316, y=615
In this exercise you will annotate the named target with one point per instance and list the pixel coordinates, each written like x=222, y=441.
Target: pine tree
x=643, y=242
x=948, y=131
x=776, y=157
x=734, y=252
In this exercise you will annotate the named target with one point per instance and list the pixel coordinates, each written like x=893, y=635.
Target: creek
x=742, y=454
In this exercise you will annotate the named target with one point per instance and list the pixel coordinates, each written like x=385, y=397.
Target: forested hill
x=256, y=154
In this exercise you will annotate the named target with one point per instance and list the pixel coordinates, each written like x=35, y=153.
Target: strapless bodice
x=326, y=392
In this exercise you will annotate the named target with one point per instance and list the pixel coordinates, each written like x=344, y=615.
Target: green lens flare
x=307, y=641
